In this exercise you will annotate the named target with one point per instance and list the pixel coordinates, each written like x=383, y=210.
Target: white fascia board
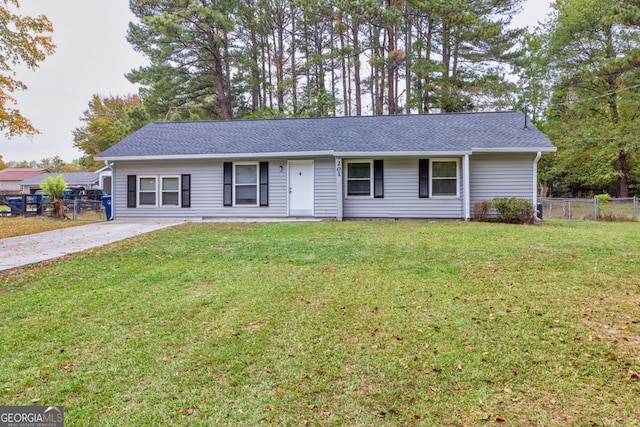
x=363, y=154
x=224, y=156
x=515, y=150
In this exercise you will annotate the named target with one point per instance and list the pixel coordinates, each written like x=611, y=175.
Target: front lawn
x=335, y=323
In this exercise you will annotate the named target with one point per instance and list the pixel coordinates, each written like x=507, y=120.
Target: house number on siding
x=339, y=167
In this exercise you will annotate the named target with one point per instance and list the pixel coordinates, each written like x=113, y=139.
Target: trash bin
x=15, y=204
x=106, y=202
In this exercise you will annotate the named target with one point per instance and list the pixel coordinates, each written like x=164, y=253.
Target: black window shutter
x=423, y=178
x=378, y=179
x=186, y=191
x=131, y=191
x=264, y=183
x=228, y=184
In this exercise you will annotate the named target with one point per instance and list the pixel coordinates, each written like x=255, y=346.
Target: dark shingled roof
x=453, y=132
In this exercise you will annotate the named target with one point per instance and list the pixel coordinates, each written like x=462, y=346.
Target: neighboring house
x=11, y=179
x=404, y=166
x=73, y=179
x=104, y=178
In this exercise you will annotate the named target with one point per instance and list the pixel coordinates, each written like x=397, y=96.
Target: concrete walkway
x=24, y=250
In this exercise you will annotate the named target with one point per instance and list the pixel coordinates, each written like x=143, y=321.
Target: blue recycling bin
x=15, y=204
x=106, y=202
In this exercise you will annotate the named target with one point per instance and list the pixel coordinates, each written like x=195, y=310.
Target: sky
x=92, y=57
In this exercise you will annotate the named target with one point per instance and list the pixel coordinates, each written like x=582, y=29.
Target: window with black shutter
x=131, y=191
x=423, y=178
x=228, y=184
x=185, y=192
x=378, y=179
x=264, y=183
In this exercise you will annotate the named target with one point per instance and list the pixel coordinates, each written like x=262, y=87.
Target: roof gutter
x=361, y=154
x=542, y=150
x=221, y=156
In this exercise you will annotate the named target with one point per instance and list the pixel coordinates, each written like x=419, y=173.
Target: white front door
x=301, y=187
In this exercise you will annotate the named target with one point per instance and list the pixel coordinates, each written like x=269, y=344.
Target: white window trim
x=234, y=184
x=139, y=191
x=446, y=196
x=346, y=179
x=160, y=191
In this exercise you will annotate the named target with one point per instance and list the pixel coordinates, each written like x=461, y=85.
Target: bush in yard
x=513, y=210
x=481, y=210
x=602, y=200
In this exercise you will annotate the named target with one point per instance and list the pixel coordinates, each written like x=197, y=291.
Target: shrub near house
x=509, y=210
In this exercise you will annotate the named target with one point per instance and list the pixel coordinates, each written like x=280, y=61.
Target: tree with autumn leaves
x=24, y=40
x=106, y=121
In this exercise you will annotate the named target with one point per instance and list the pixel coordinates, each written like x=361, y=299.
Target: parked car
x=82, y=199
x=72, y=193
x=85, y=194
x=94, y=194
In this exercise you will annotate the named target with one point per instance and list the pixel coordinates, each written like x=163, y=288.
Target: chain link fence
x=35, y=205
x=621, y=209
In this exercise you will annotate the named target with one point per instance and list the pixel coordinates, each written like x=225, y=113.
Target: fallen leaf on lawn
x=189, y=411
x=326, y=413
x=459, y=367
x=486, y=417
x=37, y=399
x=553, y=401
x=633, y=376
x=253, y=325
x=434, y=389
x=507, y=390
x=312, y=406
x=500, y=418
x=514, y=370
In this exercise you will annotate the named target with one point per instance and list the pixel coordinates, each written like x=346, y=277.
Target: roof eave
x=220, y=156
x=543, y=150
x=361, y=154
x=345, y=154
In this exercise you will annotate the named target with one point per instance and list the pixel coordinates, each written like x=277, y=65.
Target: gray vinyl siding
x=325, y=188
x=491, y=175
x=206, y=191
x=501, y=175
x=401, y=196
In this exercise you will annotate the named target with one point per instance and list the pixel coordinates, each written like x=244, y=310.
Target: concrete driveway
x=24, y=250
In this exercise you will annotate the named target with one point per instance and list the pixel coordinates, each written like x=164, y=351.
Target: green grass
x=336, y=323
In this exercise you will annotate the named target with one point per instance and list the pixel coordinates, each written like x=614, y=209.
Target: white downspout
x=535, y=185
x=467, y=188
